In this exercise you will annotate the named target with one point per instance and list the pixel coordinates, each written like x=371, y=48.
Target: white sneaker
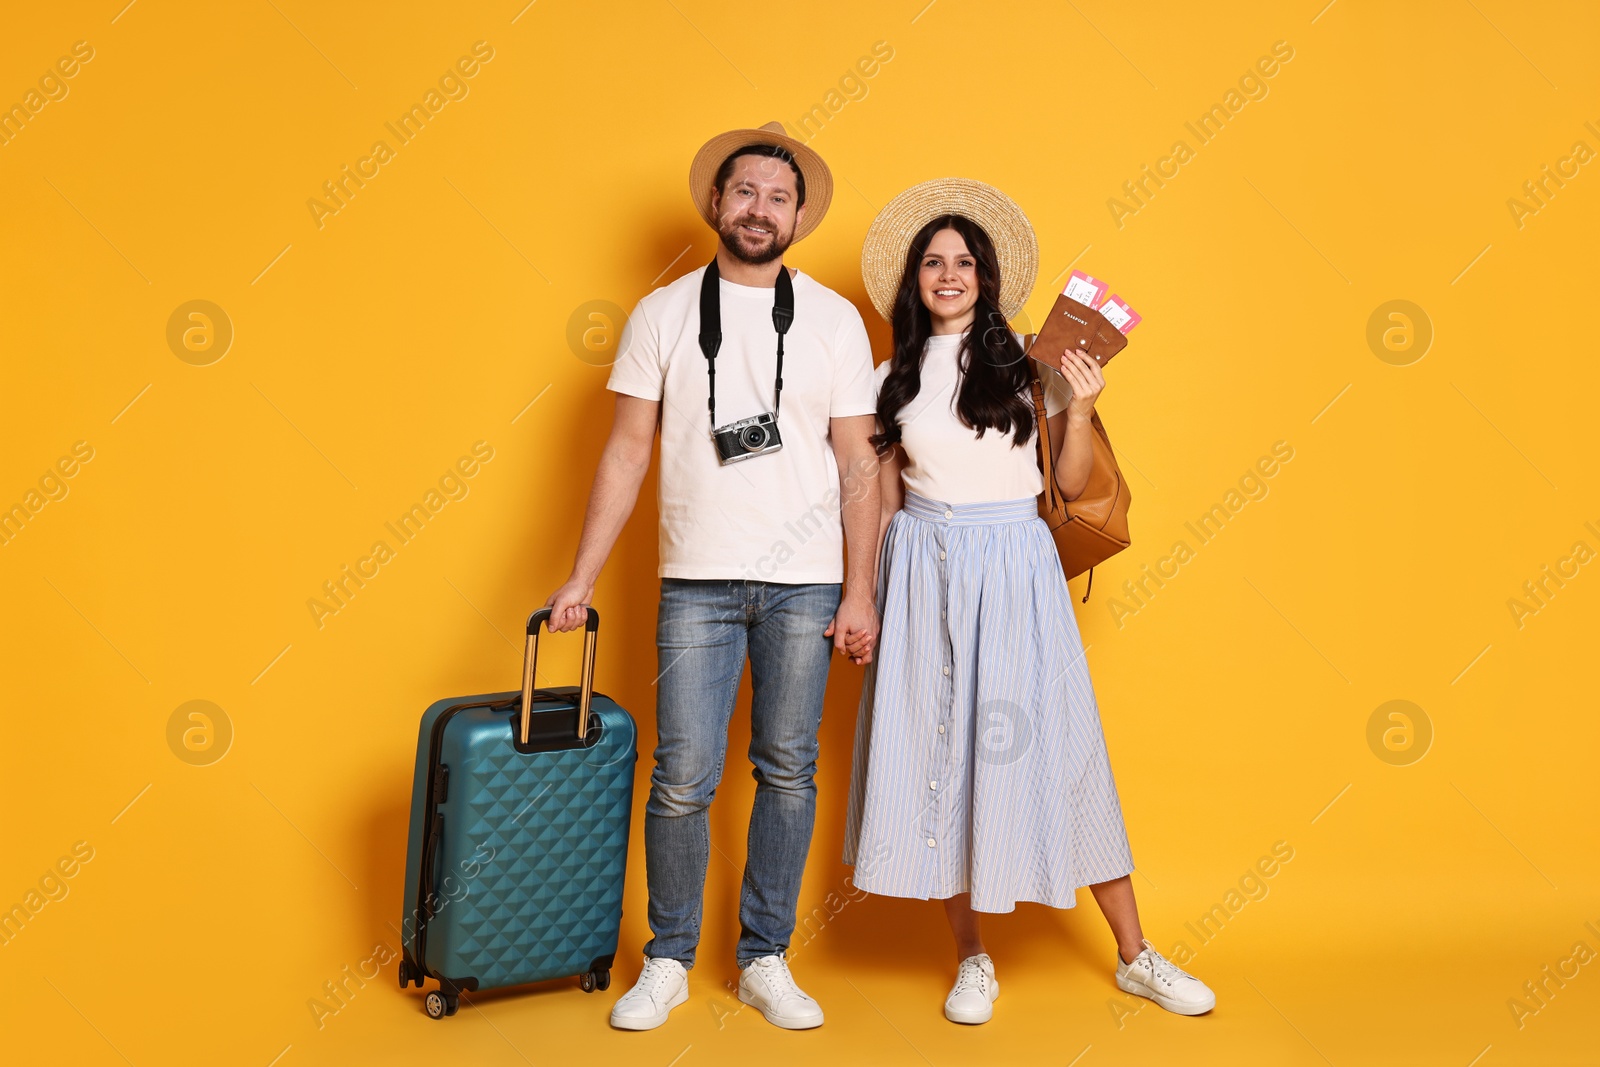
x=972, y=999
x=1153, y=975
x=662, y=986
x=767, y=986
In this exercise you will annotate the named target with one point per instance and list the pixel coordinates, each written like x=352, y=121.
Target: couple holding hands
x=980, y=775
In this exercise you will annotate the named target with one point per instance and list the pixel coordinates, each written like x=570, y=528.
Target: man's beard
x=776, y=246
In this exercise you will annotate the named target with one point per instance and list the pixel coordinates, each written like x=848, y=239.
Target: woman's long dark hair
x=994, y=371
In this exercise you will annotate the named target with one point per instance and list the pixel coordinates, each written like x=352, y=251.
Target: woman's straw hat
x=703, y=172
x=883, y=255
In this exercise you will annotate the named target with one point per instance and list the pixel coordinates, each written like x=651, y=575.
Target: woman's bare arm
x=1070, y=429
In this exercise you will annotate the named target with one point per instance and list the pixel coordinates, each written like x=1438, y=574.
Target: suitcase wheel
x=593, y=980
x=438, y=1004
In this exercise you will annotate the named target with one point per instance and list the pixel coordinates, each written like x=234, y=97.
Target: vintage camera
x=747, y=437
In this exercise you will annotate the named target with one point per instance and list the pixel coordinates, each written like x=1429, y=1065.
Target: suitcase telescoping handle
x=530, y=659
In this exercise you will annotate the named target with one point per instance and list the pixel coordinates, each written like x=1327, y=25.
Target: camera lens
x=753, y=437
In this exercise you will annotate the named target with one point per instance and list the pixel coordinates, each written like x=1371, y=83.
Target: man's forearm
x=861, y=539
x=861, y=515
x=611, y=502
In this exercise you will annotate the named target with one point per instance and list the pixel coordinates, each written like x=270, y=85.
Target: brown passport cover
x=1075, y=325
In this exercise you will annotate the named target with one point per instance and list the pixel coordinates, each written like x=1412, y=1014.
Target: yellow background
x=429, y=312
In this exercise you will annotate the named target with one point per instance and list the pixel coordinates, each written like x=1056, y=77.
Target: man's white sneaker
x=1153, y=975
x=767, y=986
x=662, y=986
x=972, y=999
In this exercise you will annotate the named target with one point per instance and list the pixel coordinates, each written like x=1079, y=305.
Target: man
x=750, y=549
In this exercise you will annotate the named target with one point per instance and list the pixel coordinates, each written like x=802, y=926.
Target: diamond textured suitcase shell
x=530, y=847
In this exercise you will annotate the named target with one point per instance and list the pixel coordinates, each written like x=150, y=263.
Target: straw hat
x=703, y=172
x=883, y=255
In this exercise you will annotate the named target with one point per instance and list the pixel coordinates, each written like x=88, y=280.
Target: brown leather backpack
x=1094, y=527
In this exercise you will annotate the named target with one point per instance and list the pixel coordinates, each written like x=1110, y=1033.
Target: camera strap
x=711, y=328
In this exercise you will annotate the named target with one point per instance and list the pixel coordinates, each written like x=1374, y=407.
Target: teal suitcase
x=520, y=809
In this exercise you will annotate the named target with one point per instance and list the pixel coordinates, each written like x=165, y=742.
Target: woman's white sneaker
x=972, y=999
x=662, y=986
x=1153, y=975
x=767, y=986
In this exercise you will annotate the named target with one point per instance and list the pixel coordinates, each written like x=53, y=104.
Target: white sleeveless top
x=946, y=460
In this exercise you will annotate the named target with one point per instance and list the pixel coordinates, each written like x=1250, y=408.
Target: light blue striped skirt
x=980, y=764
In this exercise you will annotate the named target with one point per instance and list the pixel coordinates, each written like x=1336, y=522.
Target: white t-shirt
x=773, y=517
x=946, y=460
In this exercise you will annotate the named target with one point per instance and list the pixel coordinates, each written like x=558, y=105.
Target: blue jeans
x=703, y=634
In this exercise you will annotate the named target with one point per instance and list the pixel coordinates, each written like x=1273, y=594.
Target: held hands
x=854, y=629
x=567, y=605
x=1087, y=380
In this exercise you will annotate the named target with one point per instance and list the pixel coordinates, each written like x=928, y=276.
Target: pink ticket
x=1086, y=290
x=1119, y=314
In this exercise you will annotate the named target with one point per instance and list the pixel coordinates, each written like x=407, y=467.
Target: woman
x=980, y=775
